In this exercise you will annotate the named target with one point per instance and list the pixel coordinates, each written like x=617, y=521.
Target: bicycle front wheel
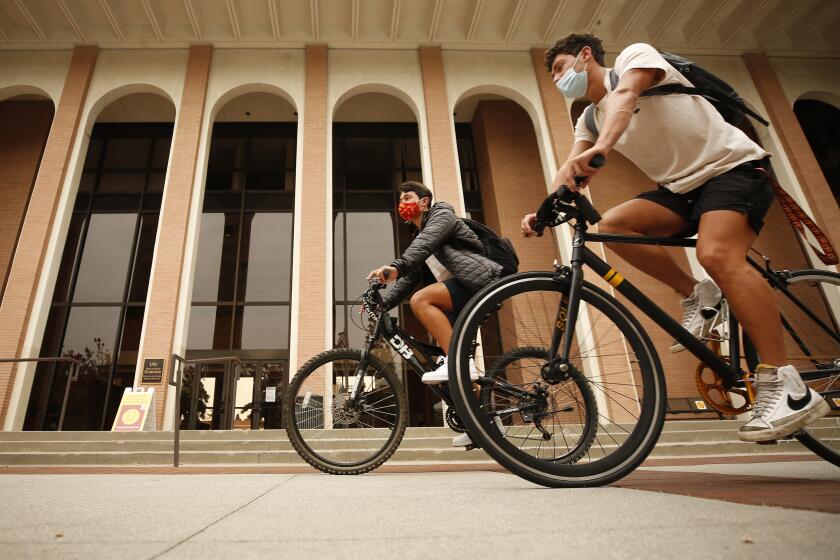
x=332, y=432
x=610, y=351
x=809, y=305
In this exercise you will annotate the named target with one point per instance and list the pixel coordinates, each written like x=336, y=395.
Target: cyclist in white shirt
x=708, y=185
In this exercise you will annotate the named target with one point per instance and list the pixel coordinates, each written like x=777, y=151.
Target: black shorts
x=742, y=188
x=460, y=296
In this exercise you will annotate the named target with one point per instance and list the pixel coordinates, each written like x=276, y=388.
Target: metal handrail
x=72, y=375
x=177, y=381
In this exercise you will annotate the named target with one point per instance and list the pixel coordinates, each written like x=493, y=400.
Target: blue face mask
x=573, y=84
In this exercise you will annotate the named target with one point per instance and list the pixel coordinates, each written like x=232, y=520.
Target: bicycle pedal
x=472, y=446
x=709, y=313
x=770, y=442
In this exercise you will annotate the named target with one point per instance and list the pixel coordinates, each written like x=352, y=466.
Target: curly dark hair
x=421, y=190
x=572, y=45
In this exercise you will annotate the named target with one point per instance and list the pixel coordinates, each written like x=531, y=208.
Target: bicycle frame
x=730, y=372
x=406, y=346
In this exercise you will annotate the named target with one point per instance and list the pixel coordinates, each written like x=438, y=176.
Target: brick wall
x=165, y=282
x=311, y=312
x=25, y=272
x=795, y=144
x=23, y=136
x=442, y=152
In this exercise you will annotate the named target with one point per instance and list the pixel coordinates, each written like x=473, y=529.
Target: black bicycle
x=346, y=409
x=590, y=333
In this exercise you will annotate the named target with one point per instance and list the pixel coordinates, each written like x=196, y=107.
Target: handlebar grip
x=386, y=273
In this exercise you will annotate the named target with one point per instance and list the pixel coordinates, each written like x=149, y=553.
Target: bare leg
x=723, y=240
x=643, y=217
x=429, y=305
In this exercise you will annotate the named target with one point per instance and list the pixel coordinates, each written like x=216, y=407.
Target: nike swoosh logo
x=799, y=404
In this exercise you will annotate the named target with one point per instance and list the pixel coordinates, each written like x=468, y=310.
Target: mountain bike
x=589, y=331
x=346, y=411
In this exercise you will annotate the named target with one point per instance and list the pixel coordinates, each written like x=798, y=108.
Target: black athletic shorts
x=742, y=188
x=460, y=296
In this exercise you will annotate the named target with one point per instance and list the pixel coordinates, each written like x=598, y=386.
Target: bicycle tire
x=819, y=287
x=589, y=422
x=295, y=427
x=637, y=444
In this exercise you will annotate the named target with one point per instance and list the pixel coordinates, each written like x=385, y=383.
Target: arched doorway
x=99, y=300
x=241, y=294
x=820, y=122
x=375, y=148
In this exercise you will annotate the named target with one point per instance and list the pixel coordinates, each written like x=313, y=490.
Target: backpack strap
x=588, y=117
x=801, y=220
x=669, y=89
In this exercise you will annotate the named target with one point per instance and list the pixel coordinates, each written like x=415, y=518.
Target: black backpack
x=725, y=99
x=498, y=249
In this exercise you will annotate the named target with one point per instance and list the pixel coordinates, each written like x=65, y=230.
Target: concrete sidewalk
x=410, y=515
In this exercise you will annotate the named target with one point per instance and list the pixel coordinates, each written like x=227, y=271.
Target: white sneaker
x=462, y=440
x=706, y=294
x=441, y=374
x=783, y=405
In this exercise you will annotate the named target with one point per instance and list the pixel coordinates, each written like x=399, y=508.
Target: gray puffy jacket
x=453, y=243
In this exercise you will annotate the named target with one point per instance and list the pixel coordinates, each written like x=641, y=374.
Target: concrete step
x=678, y=439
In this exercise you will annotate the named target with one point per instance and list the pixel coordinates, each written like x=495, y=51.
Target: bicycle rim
x=610, y=350
x=812, y=343
x=328, y=430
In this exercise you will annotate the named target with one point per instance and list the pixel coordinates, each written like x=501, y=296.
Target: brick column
x=25, y=271
x=26, y=125
x=165, y=281
x=442, y=152
x=311, y=320
x=802, y=160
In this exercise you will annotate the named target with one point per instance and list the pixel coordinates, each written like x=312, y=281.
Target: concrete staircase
x=682, y=438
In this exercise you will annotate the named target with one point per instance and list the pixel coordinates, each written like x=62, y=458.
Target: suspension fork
x=359, y=381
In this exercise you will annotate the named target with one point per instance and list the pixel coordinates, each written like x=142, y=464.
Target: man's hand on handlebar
x=384, y=274
x=527, y=225
x=580, y=166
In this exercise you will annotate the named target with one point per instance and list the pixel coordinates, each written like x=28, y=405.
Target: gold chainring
x=713, y=391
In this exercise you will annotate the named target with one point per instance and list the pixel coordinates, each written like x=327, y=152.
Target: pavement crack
x=222, y=518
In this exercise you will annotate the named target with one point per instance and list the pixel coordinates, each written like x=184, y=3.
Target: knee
x=418, y=301
x=610, y=223
x=717, y=260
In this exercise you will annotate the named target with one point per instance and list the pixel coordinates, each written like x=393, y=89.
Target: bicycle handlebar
x=553, y=203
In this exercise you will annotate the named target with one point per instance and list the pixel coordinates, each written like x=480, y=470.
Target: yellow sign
x=700, y=405
x=136, y=411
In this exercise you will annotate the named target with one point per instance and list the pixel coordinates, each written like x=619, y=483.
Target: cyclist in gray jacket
x=446, y=257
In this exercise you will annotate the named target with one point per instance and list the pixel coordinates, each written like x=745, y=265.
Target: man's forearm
x=619, y=110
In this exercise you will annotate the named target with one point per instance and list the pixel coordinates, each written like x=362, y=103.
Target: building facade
x=215, y=179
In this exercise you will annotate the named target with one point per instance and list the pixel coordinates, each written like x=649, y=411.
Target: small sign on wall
x=152, y=371
x=136, y=411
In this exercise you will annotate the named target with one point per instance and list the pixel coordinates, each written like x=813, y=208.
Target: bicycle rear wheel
x=611, y=352
x=564, y=431
x=330, y=432
x=810, y=310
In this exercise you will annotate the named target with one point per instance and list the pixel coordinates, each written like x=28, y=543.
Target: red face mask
x=409, y=210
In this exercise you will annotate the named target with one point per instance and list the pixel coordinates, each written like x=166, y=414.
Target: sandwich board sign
x=136, y=411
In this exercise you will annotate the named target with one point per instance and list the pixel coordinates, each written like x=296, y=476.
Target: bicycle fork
x=568, y=308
